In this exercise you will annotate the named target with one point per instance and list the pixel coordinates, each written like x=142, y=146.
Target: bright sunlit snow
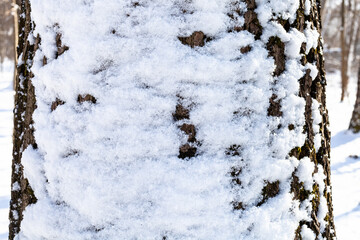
x=111, y=168
x=6, y=123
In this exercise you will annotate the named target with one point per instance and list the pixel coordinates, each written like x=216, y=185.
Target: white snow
x=307, y=233
x=345, y=170
x=304, y=172
x=113, y=165
x=6, y=123
x=111, y=168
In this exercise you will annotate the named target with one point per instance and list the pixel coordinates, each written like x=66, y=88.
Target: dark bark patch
x=252, y=24
x=86, y=98
x=251, y=4
x=181, y=113
x=238, y=205
x=295, y=152
x=246, y=49
x=277, y=50
x=187, y=151
x=60, y=47
x=274, y=109
x=56, y=103
x=311, y=57
x=190, y=130
x=28, y=192
x=285, y=23
x=291, y=127
x=197, y=39
x=270, y=190
x=44, y=60
x=235, y=173
x=233, y=150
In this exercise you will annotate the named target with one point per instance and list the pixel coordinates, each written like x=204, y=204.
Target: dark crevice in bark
x=270, y=190
x=60, y=47
x=56, y=103
x=233, y=150
x=246, y=49
x=181, y=113
x=86, y=98
x=277, y=50
x=252, y=23
x=188, y=149
x=274, y=109
x=197, y=39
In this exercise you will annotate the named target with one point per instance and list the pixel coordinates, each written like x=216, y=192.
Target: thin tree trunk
x=22, y=195
x=344, y=54
x=355, y=119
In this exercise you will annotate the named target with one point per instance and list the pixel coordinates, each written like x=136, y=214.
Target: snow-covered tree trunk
x=171, y=120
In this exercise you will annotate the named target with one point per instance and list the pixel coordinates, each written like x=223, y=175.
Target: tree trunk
x=22, y=194
x=344, y=54
x=204, y=129
x=355, y=119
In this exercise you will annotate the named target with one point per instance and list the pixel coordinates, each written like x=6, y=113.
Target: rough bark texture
x=310, y=90
x=355, y=119
x=24, y=107
x=344, y=54
x=315, y=90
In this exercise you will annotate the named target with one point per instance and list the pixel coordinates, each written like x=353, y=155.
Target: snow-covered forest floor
x=6, y=122
x=345, y=148
x=345, y=166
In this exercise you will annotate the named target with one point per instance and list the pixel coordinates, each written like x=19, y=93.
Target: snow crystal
x=304, y=172
x=317, y=119
x=308, y=7
x=15, y=187
x=312, y=37
x=313, y=70
x=307, y=233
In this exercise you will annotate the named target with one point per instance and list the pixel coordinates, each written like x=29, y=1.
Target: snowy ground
x=6, y=103
x=345, y=169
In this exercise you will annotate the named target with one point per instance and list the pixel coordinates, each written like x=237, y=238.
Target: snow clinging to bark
x=109, y=167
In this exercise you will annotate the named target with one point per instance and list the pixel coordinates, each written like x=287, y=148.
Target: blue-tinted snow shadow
x=342, y=138
x=348, y=161
x=355, y=209
x=4, y=236
x=4, y=202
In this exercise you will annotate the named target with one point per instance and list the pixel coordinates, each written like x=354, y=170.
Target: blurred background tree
x=341, y=20
x=6, y=31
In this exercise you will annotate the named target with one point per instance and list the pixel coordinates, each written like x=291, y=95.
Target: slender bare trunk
x=355, y=119
x=344, y=54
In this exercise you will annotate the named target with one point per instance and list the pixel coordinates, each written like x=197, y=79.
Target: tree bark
x=25, y=105
x=344, y=54
x=355, y=119
x=311, y=90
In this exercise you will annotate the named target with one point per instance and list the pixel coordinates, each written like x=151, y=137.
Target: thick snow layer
x=110, y=169
x=6, y=123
